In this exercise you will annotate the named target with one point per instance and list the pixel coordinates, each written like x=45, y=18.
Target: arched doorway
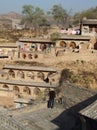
x=5, y=87
x=40, y=75
x=20, y=74
x=43, y=47
x=36, y=91
x=31, y=75
x=16, y=89
x=23, y=55
x=27, y=90
x=62, y=44
x=72, y=45
x=29, y=56
x=11, y=73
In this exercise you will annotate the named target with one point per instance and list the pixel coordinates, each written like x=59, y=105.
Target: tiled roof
x=90, y=111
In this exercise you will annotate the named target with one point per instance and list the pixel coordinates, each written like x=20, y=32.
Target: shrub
x=66, y=74
x=54, y=36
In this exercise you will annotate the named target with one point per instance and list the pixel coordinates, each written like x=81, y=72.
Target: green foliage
x=38, y=17
x=28, y=10
x=89, y=14
x=33, y=16
x=54, y=36
x=59, y=14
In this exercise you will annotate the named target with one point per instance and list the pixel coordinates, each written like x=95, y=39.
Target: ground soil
x=75, y=97
x=76, y=62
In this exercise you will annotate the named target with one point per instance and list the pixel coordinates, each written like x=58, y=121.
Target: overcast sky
x=73, y=6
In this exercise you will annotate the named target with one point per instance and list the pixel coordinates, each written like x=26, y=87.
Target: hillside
x=11, y=15
x=77, y=84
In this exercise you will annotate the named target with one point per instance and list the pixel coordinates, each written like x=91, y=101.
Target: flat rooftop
x=74, y=37
x=8, y=46
x=30, y=68
x=33, y=40
x=28, y=83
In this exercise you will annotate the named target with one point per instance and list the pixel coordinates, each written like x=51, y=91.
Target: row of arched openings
x=26, y=90
x=30, y=74
x=29, y=56
x=64, y=44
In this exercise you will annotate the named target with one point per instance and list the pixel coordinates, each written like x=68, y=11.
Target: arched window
x=34, y=47
x=29, y=56
x=5, y=86
x=40, y=75
x=46, y=91
x=90, y=28
x=37, y=91
x=11, y=73
x=31, y=75
x=62, y=44
x=20, y=74
x=24, y=56
x=27, y=90
x=43, y=47
x=72, y=45
x=16, y=89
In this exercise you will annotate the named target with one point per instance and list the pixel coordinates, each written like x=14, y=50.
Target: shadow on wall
x=70, y=119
